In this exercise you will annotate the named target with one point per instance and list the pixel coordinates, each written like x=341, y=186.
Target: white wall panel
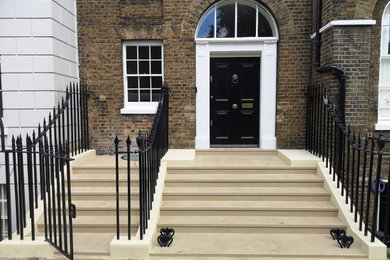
x=15, y=27
x=9, y=81
x=33, y=8
x=18, y=100
x=39, y=59
x=7, y=46
x=42, y=27
x=16, y=64
x=7, y=9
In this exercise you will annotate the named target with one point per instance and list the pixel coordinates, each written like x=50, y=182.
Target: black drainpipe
x=337, y=71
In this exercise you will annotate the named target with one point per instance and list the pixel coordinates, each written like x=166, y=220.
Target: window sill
x=140, y=108
x=385, y=126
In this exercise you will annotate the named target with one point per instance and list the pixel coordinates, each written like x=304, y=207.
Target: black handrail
x=354, y=161
x=152, y=146
x=44, y=160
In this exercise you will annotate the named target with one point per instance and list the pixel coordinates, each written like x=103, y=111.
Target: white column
x=202, y=139
x=268, y=96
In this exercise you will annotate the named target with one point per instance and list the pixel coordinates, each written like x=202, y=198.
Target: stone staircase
x=93, y=193
x=230, y=204
x=248, y=205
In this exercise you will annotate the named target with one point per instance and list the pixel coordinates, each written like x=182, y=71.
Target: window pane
x=143, y=52
x=156, y=52
x=144, y=67
x=132, y=95
x=144, y=82
x=206, y=29
x=246, y=21
x=225, y=21
x=131, y=67
x=156, y=67
x=156, y=94
x=156, y=82
x=132, y=82
x=264, y=27
x=131, y=52
x=145, y=95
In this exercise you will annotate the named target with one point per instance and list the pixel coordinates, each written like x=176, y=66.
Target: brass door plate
x=247, y=105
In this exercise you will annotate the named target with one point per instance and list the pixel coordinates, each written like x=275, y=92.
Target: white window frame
x=259, y=9
x=140, y=107
x=384, y=78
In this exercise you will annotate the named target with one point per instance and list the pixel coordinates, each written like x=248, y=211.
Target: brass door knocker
x=234, y=78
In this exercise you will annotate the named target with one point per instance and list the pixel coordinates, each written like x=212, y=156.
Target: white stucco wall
x=38, y=48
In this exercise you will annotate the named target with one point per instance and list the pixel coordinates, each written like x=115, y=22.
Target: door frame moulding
x=266, y=48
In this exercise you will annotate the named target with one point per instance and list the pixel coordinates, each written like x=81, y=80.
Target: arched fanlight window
x=384, y=74
x=236, y=19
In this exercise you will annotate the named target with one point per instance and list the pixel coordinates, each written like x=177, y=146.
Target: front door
x=234, y=101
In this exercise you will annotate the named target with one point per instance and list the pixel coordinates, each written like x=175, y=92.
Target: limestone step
x=248, y=208
x=251, y=224
x=87, y=246
x=235, y=152
x=254, y=246
x=98, y=181
x=240, y=170
x=99, y=224
x=101, y=196
x=101, y=170
x=245, y=193
x=242, y=179
x=105, y=208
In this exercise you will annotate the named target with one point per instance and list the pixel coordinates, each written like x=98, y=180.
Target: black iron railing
x=39, y=169
x=356, y=162
x=152, y=146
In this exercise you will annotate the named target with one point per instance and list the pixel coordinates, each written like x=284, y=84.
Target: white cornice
x=361, y=22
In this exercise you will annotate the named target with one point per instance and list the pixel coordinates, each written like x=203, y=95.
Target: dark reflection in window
x=131, y=67
x=144, y=82
x=264, y=27
x=131, y=52
x=156, y=52
x=144, y=67
x=206, y=29
x=156, y=82
x=225, y=21
x=132, y=82
x=143, y=52
x=145, y=95
x=246, y=21
x=156, y=94
x=132, y=95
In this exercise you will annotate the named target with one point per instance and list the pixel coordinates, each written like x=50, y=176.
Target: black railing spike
x=140, y=140
x=128, y=141
x=116, y=141
x=381, y=141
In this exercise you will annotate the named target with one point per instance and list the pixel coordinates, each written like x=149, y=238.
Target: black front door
x=234, y=101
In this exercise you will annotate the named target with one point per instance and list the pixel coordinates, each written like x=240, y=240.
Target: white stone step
x=251, y=224
x=248, y=208
x=254, y=246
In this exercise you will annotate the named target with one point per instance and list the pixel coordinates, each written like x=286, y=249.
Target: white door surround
x=266, y=48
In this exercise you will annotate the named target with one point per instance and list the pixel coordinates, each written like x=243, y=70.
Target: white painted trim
x=359, y=22
x=385, y=126
x=140, y=108
x=267, y=50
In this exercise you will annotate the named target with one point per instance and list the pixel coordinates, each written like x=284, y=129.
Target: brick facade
x=103, y=26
